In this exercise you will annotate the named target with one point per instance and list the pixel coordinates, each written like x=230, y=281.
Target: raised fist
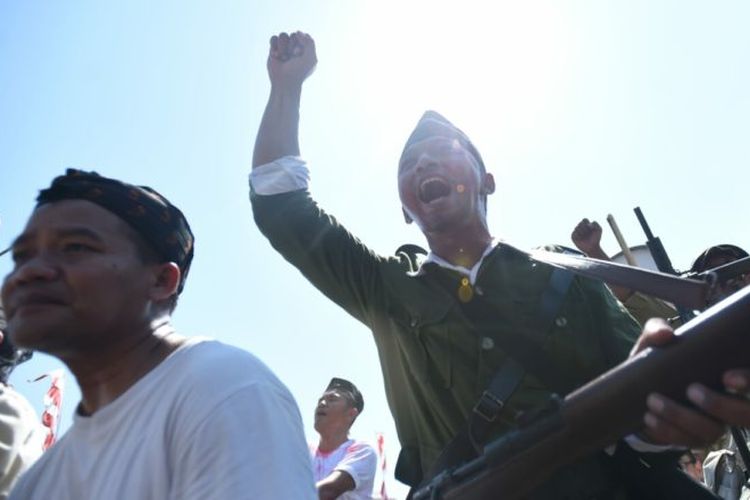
x=587, y=237
x=291, y=58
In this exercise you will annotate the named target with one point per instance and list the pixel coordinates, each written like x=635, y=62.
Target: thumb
x=656, y=332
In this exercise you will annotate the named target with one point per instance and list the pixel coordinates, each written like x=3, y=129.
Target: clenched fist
x=291, y=59
x=587, y=237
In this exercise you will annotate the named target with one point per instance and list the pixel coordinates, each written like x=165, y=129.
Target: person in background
x=716, y=256
x=21, y=432
x=342, y=467
x=725, y=471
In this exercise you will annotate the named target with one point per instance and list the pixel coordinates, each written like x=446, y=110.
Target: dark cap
x=433, y=124
x=160, y=223
x=729, y=252
x=346, y=386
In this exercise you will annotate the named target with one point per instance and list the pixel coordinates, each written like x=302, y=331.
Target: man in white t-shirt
x=343, y=468
x=97, y=271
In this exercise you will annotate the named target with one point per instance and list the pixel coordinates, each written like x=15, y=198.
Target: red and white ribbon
x=381, y=456
x=52, y=404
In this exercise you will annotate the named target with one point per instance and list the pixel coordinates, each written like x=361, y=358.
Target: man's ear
x=407, y=217
x=488, y=184
x=167, y=281
x=354, y=413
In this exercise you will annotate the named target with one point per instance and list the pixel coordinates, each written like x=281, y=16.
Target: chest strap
x=508, y=377
x=522, y=355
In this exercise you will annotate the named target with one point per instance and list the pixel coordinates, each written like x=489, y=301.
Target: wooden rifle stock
x=606, y=409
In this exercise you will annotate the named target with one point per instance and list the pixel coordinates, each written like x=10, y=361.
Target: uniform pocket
x=426, y=342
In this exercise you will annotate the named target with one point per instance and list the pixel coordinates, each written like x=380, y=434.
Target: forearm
x=327, y=492
x=335, y=485
x=278, y=134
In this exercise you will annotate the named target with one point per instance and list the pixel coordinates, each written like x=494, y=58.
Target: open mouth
x=433, y=189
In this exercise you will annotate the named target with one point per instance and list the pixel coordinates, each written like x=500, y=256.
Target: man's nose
x=37, y=268
x=425, y=162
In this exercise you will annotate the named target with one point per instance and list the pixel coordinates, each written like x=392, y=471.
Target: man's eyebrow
x=20, y=240
x=80, y=231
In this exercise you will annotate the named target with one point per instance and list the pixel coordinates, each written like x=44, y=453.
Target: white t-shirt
x=356, y=458
x=21, y=437
x=209, y=422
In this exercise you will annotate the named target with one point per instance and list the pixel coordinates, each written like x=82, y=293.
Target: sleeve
x=618, y=330
x=643, y=308
x=359, y=462
x=286, y=174
x=251, y=445
x=331, y=258
x=20, y=439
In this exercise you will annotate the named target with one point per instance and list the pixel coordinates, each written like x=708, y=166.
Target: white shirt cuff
x=286, y=174
x=639, y=444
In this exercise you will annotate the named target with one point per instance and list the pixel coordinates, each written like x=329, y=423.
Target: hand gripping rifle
x=604, y=410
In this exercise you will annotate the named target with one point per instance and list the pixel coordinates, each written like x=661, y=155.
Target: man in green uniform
x=436, y=359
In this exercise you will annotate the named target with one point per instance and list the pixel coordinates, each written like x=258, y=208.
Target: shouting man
x=477, y=333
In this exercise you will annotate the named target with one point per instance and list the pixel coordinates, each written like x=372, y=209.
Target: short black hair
x=149, y=213
x=344, y=385
x=149, y=255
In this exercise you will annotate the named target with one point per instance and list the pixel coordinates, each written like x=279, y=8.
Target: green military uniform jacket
x=644, y=307
x=435, y=366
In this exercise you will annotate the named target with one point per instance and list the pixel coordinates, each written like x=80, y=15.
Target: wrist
x=288, y=91
x=597, y=253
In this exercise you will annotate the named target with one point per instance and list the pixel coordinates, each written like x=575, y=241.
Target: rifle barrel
x=644, y=224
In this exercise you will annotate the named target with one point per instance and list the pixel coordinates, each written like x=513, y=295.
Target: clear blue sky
x=579, y=108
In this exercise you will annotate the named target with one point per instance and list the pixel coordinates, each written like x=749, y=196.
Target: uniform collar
x=472, y=273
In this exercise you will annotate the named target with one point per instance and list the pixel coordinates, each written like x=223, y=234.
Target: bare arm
x=336, y=484
x=291, y=59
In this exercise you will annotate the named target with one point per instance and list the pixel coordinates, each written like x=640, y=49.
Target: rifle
x=655, y=246
x=661, y=259
x=604, y=410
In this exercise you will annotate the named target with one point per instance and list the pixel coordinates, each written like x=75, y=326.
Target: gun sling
x=522, y=354
x=525, y=354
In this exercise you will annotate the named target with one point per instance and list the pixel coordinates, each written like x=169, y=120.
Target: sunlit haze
x=579, y=109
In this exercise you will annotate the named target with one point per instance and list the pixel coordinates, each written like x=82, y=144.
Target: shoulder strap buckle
x=488, y=407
